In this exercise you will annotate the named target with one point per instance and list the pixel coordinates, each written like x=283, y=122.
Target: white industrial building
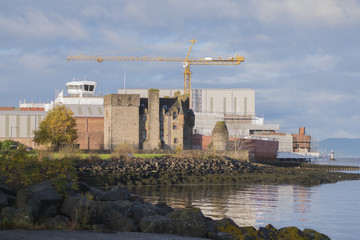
x=234, y=106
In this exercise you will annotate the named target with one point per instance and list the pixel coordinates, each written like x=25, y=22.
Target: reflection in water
x=332, y=209
x=250, y=205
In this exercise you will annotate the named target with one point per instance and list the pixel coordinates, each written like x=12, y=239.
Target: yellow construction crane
x=187, y=62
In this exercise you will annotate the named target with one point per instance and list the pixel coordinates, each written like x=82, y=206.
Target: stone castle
x=147, y=123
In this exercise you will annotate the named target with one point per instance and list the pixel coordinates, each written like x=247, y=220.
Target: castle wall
x=121, y=120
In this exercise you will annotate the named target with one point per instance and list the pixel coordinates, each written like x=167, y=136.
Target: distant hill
x=343, y=147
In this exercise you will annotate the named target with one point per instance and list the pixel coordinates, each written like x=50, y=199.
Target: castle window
x=174, y=115
x=175, y=140
x=174, y=126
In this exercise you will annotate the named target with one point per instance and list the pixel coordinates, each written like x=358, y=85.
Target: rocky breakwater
x=167, y=170
x=41, y=206
x=163, y=170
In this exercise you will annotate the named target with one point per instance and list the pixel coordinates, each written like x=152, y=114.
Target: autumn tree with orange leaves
x=57, y=128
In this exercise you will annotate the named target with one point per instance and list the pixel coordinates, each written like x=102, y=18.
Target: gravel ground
x=87, y=235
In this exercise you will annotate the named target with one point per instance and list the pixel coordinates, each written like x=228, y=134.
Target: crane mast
x=187, y=62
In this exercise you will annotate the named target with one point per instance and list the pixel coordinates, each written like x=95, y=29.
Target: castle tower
x=121, y=120
x=220, y=136
x=153, y=132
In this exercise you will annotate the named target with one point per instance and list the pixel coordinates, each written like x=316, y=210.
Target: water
x=332, y=209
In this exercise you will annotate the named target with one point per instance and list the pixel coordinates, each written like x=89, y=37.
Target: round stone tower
x=220, y=136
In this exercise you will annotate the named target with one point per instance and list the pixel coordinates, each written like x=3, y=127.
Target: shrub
x=18, y=169
x=123, y=150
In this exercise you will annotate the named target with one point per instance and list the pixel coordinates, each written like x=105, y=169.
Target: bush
x=19, y=169
x=123, y=150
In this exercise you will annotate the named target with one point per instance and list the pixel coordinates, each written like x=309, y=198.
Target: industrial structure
x=154, y=119
x=187, y=62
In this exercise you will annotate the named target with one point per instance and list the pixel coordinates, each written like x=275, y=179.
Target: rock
x=8, y=213
x=96, y=193
x=91, y=192
x=118, y=222
x=189, y=222
x=157, y=224
x=266, y=233
x=141, y=211
x=3, y=200
x=84, y=211
x=78, y=209
x=227, y=225
x=117, y=193
x=25, y=215
x=58, y=222
x=292, y=233
x=314, y=235
x=40, y=201
x=164, y=208
x=125, y=207
x=7, y=190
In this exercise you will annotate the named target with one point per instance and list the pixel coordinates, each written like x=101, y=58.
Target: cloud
x=41, y=64
x=308, y=12
x=36, y=24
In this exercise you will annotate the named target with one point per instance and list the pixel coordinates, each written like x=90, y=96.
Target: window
x=174, y=115
x=175, y=140
x=174, y=126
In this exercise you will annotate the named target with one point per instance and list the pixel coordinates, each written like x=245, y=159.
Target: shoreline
x=209, y=170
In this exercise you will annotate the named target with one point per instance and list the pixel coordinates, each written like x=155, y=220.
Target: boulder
x=125, y=207
x=40, y=200
x=8, y=213
x=266, y=233
x=157, y=224
x=164, y=208
x=84, y=211
x=57, y=222
x=314, y=235
x=92, y=192
x=142, y=210
x=117, y=193
x=26, y=215
x=7, y=190
x=292, y=233
x=78, y=209
x=227, y=225
x=3, y=200
x=118, y=222
x=189, y=222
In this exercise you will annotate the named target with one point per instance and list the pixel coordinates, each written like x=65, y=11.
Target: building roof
x=86, y=110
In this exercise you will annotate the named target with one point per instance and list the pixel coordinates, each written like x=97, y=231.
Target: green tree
x=57, y=128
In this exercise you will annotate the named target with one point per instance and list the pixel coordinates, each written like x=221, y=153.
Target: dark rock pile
x=119, y=210
x=163, y=170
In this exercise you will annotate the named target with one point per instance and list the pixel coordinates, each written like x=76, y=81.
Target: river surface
x=332, y=209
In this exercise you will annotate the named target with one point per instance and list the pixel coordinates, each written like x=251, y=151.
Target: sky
x=301, y=57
